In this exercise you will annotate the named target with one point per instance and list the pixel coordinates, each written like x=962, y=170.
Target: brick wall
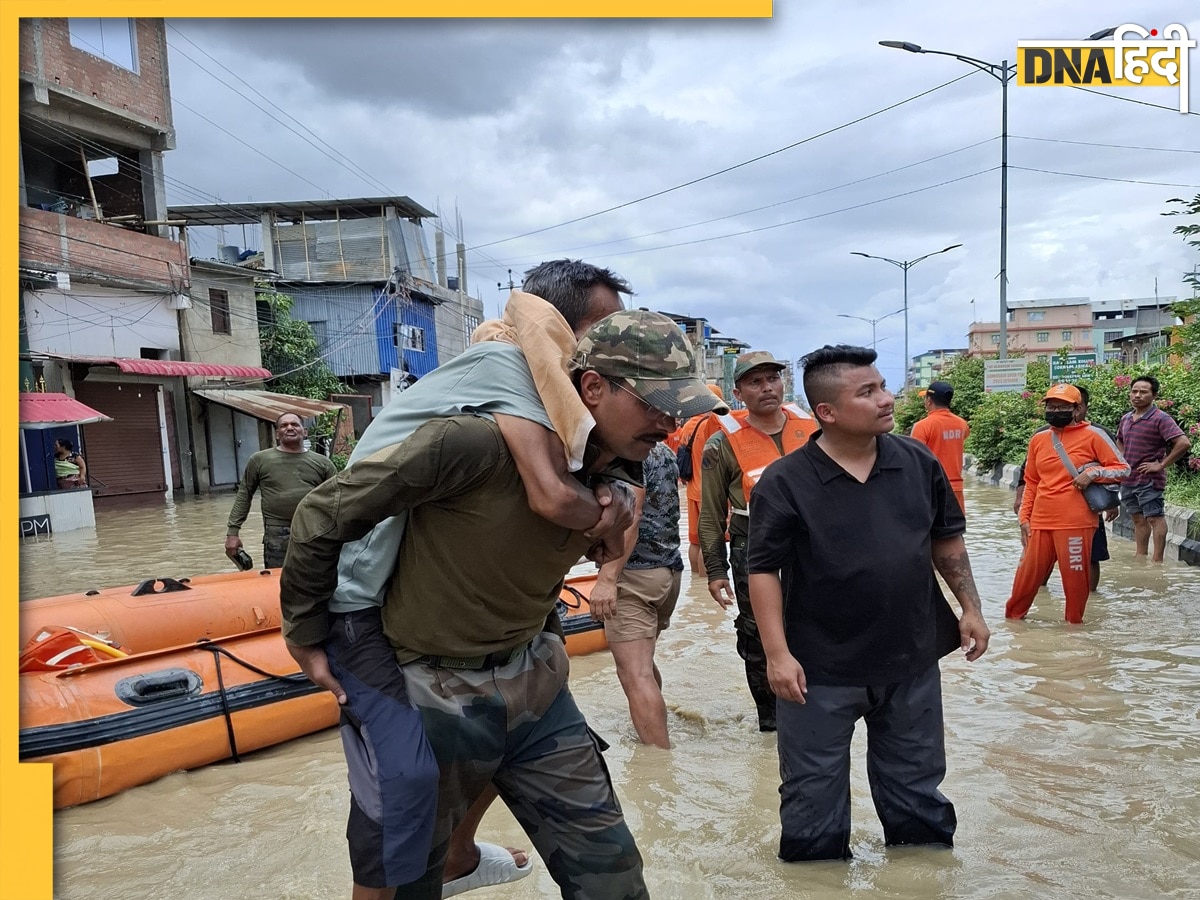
x=57, y=242
x=47, y=57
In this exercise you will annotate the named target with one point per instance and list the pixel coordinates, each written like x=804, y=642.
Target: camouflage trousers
x=749, y=644
x=275, y=544
x=517, y=726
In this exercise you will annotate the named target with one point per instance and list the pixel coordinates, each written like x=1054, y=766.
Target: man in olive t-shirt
x=282, y=476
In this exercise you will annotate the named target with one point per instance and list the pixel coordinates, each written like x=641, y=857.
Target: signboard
x=32, y=526
x=1070, y=366
x=1004, y=374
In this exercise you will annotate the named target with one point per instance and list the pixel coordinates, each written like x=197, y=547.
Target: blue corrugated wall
x=417, y=312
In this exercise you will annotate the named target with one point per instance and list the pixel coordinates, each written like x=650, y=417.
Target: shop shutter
x=123, y=456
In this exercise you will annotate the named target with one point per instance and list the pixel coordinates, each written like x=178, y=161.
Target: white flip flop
x=496, y=866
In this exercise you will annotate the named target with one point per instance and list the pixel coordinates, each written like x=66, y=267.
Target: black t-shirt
x=861, y=602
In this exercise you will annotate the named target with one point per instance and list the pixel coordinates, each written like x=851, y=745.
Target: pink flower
x=1122, y=380
x=1194, y=464
x=1025, y=395
x=1166, y=404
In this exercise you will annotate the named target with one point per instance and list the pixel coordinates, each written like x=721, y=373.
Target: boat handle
x=169, y=586
x=156, y=687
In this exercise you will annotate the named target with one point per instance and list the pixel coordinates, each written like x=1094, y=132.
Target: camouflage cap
x=648, y=352
x=753, y=360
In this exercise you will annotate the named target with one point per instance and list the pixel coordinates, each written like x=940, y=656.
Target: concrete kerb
x=1183, y=524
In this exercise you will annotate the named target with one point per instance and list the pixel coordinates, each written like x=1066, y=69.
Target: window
x=470, y=323
x=1110, y=336
x=408, y=337
x=995, y=338
x=1066, y=335
x=1043, y=337
x=218, y=307
x=111, y=39
x=1036, y=315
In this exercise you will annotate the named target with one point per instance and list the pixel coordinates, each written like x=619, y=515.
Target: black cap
x=939, y=391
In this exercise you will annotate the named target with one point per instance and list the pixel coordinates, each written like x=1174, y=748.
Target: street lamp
x=1002, y=72
x=905, y=265
x=873, y=322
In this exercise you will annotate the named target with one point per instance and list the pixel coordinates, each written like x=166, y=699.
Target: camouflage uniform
x=275, y=545
x=502, y=715
x=658, y=532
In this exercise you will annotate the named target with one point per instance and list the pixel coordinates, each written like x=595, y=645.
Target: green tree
x=1188, y=310
x=289, y=350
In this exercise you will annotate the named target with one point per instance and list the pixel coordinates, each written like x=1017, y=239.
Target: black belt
x=487, y=661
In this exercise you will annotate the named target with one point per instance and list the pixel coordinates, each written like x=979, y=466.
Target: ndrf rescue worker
x=1056, y=521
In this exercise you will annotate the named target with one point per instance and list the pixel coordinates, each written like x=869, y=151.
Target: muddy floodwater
x=1074, y=753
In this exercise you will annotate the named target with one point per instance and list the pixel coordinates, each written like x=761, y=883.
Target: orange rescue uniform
x=945, y=433
x=1060, y=522
x=697, y=433
x=755, y=450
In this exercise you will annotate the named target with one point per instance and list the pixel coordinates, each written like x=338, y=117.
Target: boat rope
x=218, y=651
x=233, y=751
x=574, y=593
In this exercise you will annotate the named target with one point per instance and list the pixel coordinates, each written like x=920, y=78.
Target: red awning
x=166, y=367
x=51, y=410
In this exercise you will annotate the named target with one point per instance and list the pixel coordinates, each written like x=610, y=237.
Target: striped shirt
x=1147, y=439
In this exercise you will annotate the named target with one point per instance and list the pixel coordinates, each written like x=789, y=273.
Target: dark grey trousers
x=906, y=762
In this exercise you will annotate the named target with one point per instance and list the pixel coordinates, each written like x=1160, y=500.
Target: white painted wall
x=95, y=321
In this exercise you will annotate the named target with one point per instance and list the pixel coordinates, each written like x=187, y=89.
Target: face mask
x=1060, y=418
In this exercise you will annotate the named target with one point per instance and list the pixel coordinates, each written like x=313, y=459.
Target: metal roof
x=267, y=405
x=297, y=210
x=47, y=410
x=165, y=367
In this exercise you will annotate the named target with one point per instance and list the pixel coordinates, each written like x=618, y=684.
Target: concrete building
x=361, y=272
x=1040, y=328
x=1114, y=320
x=101, y=282
x=927, y=366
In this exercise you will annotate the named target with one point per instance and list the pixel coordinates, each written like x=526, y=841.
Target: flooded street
x=1072, y=751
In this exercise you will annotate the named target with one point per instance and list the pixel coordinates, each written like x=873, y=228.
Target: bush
x=1001, y=428
x=1002, y=423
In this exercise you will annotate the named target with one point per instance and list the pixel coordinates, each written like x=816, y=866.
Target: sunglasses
x=647, y=408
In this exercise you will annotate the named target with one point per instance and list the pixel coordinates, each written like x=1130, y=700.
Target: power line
x=1105, y=178
x=1173, y=109
x=833, y=212
x=1021, y=137
x=776, y=204
x=728, y=169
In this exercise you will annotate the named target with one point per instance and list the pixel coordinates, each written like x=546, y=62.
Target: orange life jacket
x=755, y=450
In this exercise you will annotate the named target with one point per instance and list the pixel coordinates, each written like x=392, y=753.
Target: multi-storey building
x=1040, y=328
x=383, y=307
x=928, y=366
x=102, y=284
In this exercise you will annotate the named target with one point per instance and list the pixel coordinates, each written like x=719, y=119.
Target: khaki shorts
x=645, y=600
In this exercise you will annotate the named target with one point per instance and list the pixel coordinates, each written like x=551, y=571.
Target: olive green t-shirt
x=281, y=480
x=478, y=571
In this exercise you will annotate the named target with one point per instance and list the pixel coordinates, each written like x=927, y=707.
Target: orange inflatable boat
x=176, y=674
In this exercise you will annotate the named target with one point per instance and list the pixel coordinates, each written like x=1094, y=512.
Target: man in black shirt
x=855, y=522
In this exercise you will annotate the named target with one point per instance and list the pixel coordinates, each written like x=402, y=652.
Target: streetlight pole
x=1002, y=72
x=904, y=265
x=872, y=322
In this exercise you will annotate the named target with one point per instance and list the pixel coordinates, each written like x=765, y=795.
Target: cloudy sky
x=522, y=126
